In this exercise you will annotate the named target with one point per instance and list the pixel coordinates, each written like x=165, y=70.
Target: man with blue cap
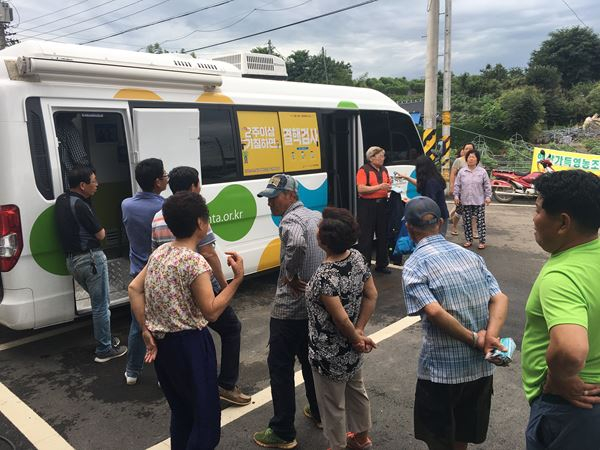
x=462, y=311
x=300, y=256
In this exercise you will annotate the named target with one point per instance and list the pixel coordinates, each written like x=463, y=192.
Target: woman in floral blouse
x=173, y=299
x=340, y=299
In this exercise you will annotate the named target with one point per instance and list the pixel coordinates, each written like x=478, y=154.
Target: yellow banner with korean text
x=565, y=160
x=261, y=142
x=301, y=145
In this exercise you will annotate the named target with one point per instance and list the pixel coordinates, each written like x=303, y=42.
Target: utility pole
x=6, y=17
x=430, y=107
x=325, y=64
x=447, y=88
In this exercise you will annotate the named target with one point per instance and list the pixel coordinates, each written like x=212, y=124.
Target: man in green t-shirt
x=561, y=344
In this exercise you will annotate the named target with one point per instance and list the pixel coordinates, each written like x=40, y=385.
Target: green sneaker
x=269, y=439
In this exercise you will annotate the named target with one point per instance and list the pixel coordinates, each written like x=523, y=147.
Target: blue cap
x=278, y=184
x=420, y=207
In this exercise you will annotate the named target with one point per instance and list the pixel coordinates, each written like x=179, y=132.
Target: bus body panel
x=38, y=291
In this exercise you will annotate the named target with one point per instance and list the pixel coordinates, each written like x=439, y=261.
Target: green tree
x=593, y=99
x=307, y=68
x=520, y=110
x=545, y=78
x=268, y=49
x=574, y=51
x=155, y=48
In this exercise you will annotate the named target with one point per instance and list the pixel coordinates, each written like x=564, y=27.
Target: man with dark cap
x=300, y=257
x=462, y=311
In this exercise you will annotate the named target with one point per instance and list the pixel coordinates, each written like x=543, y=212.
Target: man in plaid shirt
x=463, y=311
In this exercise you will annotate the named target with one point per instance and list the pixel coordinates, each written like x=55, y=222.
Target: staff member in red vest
x=373, y=185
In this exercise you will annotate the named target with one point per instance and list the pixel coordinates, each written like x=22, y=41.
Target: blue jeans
x=555, y=424
x=136, y=347
x=96, y=285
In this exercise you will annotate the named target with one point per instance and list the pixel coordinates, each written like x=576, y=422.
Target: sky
x=381, y=38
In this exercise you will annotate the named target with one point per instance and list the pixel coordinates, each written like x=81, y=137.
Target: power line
x=87, y=20
x=236, y=21
x=573, y=11
x=52, y=13
x=114, y=20
x=284, y=26
x=69, y=16
x=139, y=27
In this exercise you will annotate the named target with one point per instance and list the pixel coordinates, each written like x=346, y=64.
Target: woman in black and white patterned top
x=340, y=298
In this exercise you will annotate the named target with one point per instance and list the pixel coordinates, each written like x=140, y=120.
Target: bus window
x=394, y=132
x=217, y=148
x=404, y=138
x=39, y=148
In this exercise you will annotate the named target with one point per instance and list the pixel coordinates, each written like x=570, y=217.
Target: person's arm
x=368, y=304
x=294, y=253
x=137, y=301
x=448, y=323
x=487, y=188
x=453, y=172
x=498, y=310
x=88, y=220
x=566, y=356
x=566, y=314
x=210, y=254
x=409, y=179
x=202, y=292
x=457, y=186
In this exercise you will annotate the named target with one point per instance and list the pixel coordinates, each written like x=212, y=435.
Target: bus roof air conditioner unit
x=256, y=65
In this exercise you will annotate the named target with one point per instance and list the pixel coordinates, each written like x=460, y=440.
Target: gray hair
x=373, y=151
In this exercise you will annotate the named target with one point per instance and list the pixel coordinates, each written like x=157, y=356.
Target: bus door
x=172, y=135
x=90, y=133
x=343, y=161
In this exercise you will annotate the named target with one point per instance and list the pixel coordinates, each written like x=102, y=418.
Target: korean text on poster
x=261, y=142
x=565, y=160
x=301, y=145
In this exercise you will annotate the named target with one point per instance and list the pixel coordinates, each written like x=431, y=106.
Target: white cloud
x=385, y=38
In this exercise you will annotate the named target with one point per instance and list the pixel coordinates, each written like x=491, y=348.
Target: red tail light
x=11, y=237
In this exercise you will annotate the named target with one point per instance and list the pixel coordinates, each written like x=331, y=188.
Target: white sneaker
x=130, y=380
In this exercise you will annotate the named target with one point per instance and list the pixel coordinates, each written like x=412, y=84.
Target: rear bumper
x=16, y=309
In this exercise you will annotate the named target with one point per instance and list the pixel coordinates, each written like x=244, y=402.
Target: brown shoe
x=234, y=396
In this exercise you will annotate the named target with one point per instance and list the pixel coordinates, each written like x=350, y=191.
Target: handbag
x=404, y=244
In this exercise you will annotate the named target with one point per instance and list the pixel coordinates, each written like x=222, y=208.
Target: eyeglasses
x=164, y=175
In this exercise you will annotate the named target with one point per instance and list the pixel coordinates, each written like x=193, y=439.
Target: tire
x=503, y=193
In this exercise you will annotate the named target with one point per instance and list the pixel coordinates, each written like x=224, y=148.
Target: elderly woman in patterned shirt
x=340, y=298
x=473, y=190
x=172, y=298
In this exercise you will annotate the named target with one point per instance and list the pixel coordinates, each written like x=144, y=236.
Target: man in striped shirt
x=300, y=257
x=463, y=311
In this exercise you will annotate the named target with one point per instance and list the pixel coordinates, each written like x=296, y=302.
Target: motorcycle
x=506, y=185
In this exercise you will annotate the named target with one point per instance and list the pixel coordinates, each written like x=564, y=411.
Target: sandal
x=454, y=233
x=467, y=244
x=476, y=237
x=481, y=246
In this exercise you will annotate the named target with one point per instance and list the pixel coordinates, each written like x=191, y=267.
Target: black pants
x=288, y=339
x=372, y=217
x=229, y=328
x=186, y=367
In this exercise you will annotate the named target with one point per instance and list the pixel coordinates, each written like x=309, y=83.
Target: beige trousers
x=344, y=406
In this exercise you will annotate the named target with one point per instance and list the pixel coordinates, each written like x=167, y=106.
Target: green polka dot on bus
x=45, y=246
x=232, y=212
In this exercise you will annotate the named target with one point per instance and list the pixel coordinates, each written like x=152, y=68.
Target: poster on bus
x=261, y=142
x=565, y=160
x=301, y=145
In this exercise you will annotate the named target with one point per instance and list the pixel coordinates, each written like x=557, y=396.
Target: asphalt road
x=91, y=407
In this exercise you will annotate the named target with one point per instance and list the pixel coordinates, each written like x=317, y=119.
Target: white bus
x=122, y=107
